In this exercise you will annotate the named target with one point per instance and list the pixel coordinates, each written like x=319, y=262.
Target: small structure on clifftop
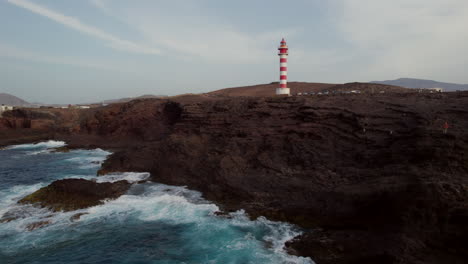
x=283, y=54
x=4, y=108
x=437, y=90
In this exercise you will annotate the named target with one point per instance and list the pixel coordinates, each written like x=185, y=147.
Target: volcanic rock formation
x=74, y=194
x=371, y=177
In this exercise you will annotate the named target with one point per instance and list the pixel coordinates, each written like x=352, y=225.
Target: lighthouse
x=283, y=54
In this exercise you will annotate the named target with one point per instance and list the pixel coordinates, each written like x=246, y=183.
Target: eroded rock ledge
x=373, y=177
x=74, y=194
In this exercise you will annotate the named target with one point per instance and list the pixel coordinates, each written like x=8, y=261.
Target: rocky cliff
x=28, y=125
x=372, y=178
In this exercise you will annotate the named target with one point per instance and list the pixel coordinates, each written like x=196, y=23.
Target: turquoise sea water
x=152, y=223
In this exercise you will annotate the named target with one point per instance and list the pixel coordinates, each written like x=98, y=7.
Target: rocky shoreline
x=373, y=177
x=74, y=194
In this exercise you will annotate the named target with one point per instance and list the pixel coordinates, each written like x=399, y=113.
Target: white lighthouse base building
x=283, y=91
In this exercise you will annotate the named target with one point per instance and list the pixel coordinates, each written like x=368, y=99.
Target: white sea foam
x=45, y=144
x=151, y=202
x=131, y=177
x=178, y=205
x=9, y=197
x=39, y=152
x=89, y=153
x=157, y=202
x=284, y=231
x=21, y=217
x=88, y=160
x=278, y=233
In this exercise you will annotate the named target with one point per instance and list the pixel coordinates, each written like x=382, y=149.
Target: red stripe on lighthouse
x=283, y=84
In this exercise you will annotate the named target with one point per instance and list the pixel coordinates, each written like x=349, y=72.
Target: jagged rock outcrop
x=364, y=169
x=30, y=125
x=372, y=176
x=74, y=194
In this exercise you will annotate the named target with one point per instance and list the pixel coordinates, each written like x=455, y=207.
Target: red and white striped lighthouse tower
x=283, y=54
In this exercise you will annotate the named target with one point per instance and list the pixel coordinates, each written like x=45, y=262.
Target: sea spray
x=46, y=144
x=131, y=177
x=152, y=223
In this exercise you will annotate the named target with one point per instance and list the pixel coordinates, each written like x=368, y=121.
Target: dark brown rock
x=374, y=172
x=64, y=149
x=74, y=194
x=77, y=217
x=311, y=162
x=36, y=225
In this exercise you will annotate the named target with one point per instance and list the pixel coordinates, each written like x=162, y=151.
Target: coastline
x=226, y=208
x=69, y=204
x=328, y=164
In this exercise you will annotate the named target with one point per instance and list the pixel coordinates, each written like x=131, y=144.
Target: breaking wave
x=46, y=144
x=131, y=177
x=151, y=223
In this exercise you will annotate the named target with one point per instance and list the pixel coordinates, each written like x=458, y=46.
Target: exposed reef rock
x=74, y=194
x=64, y=149
x=77, y=217
x=37, y=225
x=372, y=177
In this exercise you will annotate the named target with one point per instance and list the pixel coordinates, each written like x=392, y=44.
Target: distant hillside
x=304, y=87
x=370, y=88
x=128, y=99
x=419, y=83
x=8, y=99
x=269, y=89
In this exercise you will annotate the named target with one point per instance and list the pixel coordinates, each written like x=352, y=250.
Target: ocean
x=151, y=223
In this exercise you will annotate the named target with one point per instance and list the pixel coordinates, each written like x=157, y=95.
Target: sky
x=92, y=50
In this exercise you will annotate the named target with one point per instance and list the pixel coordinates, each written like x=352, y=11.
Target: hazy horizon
x=93, y=50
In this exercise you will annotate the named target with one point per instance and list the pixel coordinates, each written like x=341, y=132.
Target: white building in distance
x=4, y=108
x=437, y=90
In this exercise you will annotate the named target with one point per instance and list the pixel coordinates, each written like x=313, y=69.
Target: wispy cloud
x=190, y=31
x=9, y=51
x=74, y=23
x=401, y=38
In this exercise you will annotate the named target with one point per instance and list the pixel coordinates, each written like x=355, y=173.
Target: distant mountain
x=269, y=89
x=306, y=87
x=8, y=99
x=419, y=83
x=128, y=99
